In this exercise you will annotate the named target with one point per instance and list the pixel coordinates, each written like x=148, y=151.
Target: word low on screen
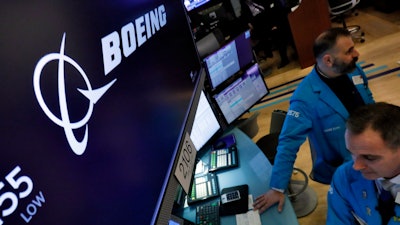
x=16, y=181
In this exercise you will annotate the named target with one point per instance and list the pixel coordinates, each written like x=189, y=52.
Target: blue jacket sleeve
x=292, y=137
x=294, y=133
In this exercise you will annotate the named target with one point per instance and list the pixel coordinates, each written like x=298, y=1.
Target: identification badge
x=397, y=200
x=357, y=80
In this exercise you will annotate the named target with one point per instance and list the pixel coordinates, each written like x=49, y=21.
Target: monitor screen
x=205, y=124
x=242, y=94
x=193, y=4
x=229, y=59
x=94, y=104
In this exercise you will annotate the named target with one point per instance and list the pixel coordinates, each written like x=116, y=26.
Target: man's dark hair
x=381, y=117
x=327, y=40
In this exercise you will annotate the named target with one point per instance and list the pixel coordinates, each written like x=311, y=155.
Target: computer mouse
x=219, y=145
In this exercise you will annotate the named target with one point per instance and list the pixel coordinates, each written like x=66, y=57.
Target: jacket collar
x=326, y=95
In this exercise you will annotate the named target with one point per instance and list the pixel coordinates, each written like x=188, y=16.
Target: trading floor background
x=380, y=58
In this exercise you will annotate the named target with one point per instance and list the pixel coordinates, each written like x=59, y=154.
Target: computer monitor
x=95, y=106
x=229, y=59
x=194, y=4
x=237, y=98
x=205, y=124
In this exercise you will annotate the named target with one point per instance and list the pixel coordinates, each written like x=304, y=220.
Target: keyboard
x=223, y=158
x=208, y=213
x=203, y=187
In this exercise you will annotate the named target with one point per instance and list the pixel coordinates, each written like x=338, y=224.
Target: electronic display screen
x=242, y=94
x=205, y=124
x=229, y=59
x=193, y=4
x=95, y=97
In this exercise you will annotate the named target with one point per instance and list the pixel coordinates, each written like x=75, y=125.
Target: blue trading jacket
x=315, y=112
x=352, y=199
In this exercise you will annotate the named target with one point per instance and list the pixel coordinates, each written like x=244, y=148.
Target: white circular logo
x=78, y=147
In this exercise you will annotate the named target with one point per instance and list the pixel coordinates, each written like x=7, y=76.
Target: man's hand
x=268, y=199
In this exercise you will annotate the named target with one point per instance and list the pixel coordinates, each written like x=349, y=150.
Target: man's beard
x=341, y=68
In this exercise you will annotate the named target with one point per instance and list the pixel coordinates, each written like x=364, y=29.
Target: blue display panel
x=242, y=94
x=229, y=59
x=95, y=96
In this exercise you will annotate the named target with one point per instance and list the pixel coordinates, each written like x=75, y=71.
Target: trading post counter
x=253, y=169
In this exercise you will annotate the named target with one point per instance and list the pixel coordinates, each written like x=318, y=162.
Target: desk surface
x=255, y=171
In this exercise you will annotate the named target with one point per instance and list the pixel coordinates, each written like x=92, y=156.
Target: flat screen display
x=95, y=97
x=242, y=94
x=205, y=124
x=229, y=59
x=193, y=4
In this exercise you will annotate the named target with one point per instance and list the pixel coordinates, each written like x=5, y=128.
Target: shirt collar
x=394, y=180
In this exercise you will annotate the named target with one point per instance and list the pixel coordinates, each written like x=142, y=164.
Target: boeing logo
x=114, y=45
x=93, y=95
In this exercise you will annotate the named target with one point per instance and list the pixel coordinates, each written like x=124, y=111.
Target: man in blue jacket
x=318, y=110
x=367, y=189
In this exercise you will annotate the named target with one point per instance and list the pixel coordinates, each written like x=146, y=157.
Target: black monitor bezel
x=164, y=209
